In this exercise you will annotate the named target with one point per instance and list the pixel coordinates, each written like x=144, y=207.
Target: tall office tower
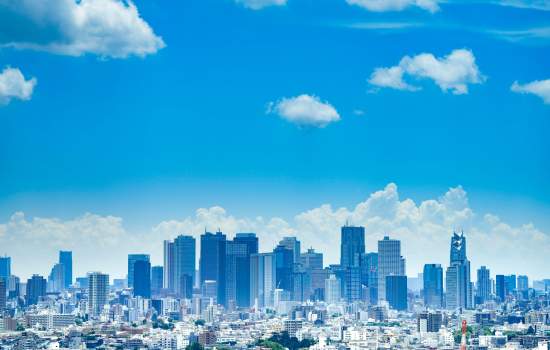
x=352, y=284
x=5, y=267
x=311, y=259
x=332, y=290
x=263, y=279
x=500, y=287
x=179, y=260
x=301, y=284
x=3, y=293
x=238, y=254
x=483, y=291
x=213, y=262
x=318, y=277
x=390, y=262
x=209, y=289
x=98, y=292
x=56, y=279
x=369, y=276
x=459, y=287
x=142, y=279
x=36, y=288
x=157, y=276
x=132, y=258
x=14, y=285
x=352, y=246
x=523, y=283
x=396, y=292
x=510, y=283
x=293, y=244
x=66, y=258
x=284, y=262
x=433, y=285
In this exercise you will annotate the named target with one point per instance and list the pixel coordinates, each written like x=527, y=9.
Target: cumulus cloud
x=540, y=88
x=108, y=28
x=425, y=228
x=260, y=4
x=395, y=5
x=14, y=85
x=451, y=73
x=305, y=110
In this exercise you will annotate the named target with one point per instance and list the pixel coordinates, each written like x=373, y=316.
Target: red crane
x=464, y=330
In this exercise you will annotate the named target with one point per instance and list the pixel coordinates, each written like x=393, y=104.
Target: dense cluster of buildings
x=238, y=296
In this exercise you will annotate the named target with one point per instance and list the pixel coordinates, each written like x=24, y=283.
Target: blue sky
x=153, y=135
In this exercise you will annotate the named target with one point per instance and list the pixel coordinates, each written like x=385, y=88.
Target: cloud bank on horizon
x=102, y=242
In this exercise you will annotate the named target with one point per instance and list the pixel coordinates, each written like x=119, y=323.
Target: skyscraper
x=510, y=283
x=369, y=275
x=98, y=292
x=142, y=278
x=501, y=287
x=483, y=291
x=263, y=279
x=311, y=259
x=183, y=264
x=36, y=288
x=396, y=292
x=213, y=262
x=5, y=267
x=3, y=293
x=390, y=262
x=332, y=290
x=284, y=260
x=293, y=244
x=157, y=276
x=352, y=246
x=66, y=258
x=433, y=285
x=132, y=258
x=168, y=281
x=459, y=287
x=56, y=279
x=238, y=254
x=523, y=283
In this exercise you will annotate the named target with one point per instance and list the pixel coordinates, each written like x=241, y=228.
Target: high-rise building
x=66, y=258
x=390, y=262
x=433, y=285
x=483, y=290
x=311, y=259
x=132, y=258
x=284, y=262
x=168, y=281
x=523, y=283
x=5, y=267
x=510, y=283
x=3, y=293
x=352, y=284
x=369, y=276
x=36, y=289
x=301, y=284
x=157, y=276
x=352, y=246
x=182, y=263
x=213, y=262
x=429, y=322
x=501, y=287
x=263, y=279
x=56, y=279
x=238, y=252
x=459, y=288
x=98, y=292
x=293, y=244
x=142, y=278
x=332, y=290
x=396, y=292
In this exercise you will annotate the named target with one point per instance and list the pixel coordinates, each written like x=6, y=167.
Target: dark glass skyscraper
x=157, y=276
x=284, y=261
x=352, y=246
x=213, y=262
x=500, y=286
x=396, y=292
x=5, y=267
x=390, y=262
x=179, y=260
x=433, y=285
x=142, y=278
x=66, y=258
x=483, y=291
x=36, y=288
x=238, y=254
x=369, y=276
x=132, y=259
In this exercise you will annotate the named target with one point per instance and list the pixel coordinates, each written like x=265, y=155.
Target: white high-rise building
x=332, y=290
x=262, y=279
x=390, y=262
x=98, y=292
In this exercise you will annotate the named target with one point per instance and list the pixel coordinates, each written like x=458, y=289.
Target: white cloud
x=528, y=4
x=540, y=88
x=453, y=72
x=14, y=85
x=108, y=28
x=260, y=4
x=425, y=228
x=395, y=5
x=305, y=110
